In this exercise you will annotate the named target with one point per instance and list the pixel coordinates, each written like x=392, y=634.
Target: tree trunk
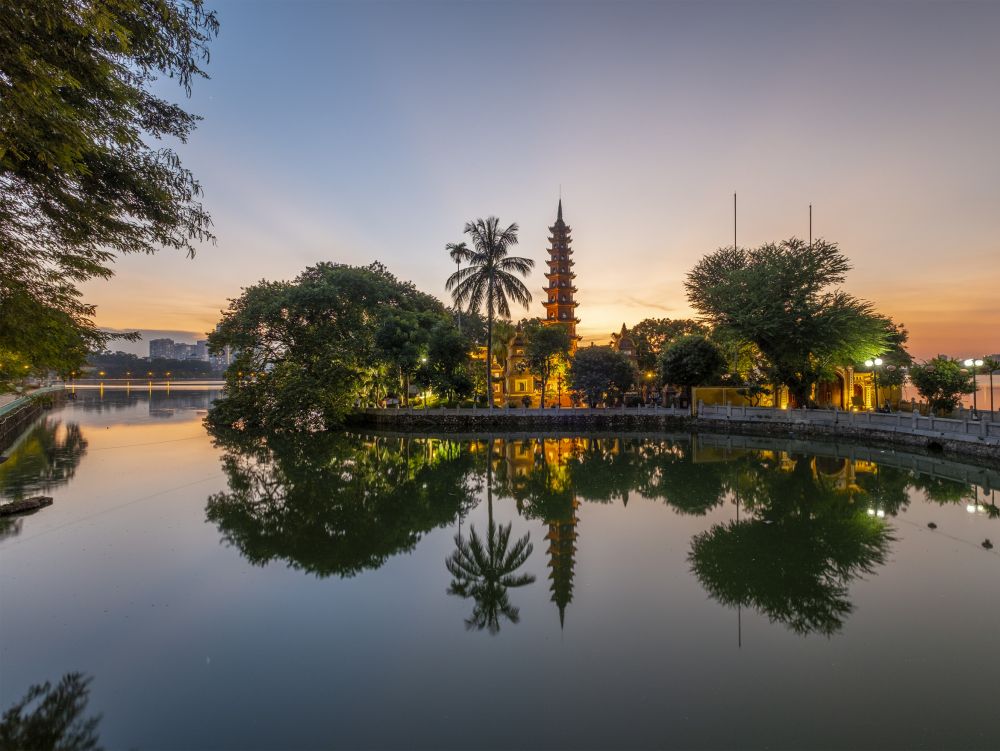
x=489, y=348
x=489, y=483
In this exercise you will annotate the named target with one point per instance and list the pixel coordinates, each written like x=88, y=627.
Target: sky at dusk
x=351, y=132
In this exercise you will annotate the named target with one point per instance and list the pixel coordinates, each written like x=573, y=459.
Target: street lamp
x=423, y=361
x=874, y=365
x=970, y=363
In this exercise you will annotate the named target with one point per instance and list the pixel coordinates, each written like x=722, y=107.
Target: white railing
x=533, y=411
x=982, y=428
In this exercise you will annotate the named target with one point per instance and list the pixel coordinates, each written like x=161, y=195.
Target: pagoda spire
x=560, y=305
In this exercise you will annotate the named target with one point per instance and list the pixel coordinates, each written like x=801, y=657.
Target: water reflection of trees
x=52, y=718
x=806, y=526
x=485, y=569
x=332, y=504
x=46, y=457
x=793, y=559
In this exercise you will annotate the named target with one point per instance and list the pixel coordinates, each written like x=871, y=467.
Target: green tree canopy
x=401, y=340
x=942, y=381
x=84, y=172
x=448, y=360
x=599, y=373
x=305, y=347
x=692, y=360
x=548, y=347
x=782, y=298
x=653, y=335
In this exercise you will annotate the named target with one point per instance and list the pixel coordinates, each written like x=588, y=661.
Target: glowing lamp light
x=971, y=508
x=880, y=514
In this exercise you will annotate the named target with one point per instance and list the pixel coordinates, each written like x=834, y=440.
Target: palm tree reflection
x=485, y=569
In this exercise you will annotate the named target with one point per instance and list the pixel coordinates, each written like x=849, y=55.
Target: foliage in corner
x=83, y=171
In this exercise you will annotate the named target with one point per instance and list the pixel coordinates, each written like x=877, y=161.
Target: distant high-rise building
x=161, y=349
x=168, y=349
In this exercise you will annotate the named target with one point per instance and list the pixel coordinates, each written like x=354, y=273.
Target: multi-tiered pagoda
x=560, y=307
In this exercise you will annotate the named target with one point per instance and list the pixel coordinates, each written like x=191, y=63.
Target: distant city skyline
x=355, y=132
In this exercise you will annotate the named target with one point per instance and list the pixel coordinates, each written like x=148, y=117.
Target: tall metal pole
x=734, y=221
x=810, y=225
x=975, y=388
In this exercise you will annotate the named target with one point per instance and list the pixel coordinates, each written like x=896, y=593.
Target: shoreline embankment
x=977, y=439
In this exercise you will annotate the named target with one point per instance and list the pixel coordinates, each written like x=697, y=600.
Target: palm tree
x=489, y=279
x=459, y=252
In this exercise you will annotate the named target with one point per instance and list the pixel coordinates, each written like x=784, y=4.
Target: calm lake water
x=599, y=591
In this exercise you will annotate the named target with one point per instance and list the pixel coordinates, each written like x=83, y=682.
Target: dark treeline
x=127, y=365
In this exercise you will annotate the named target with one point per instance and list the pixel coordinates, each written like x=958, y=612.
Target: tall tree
x=82, y=174
x=548, y=347
x=401, y=341
x=782, y=297
x=448, y=358
x=458, y=252
x=599, y=371
x=489, y=280
x=942, y=382
x=305, y=347
x=653, y=335
x=690, y=361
